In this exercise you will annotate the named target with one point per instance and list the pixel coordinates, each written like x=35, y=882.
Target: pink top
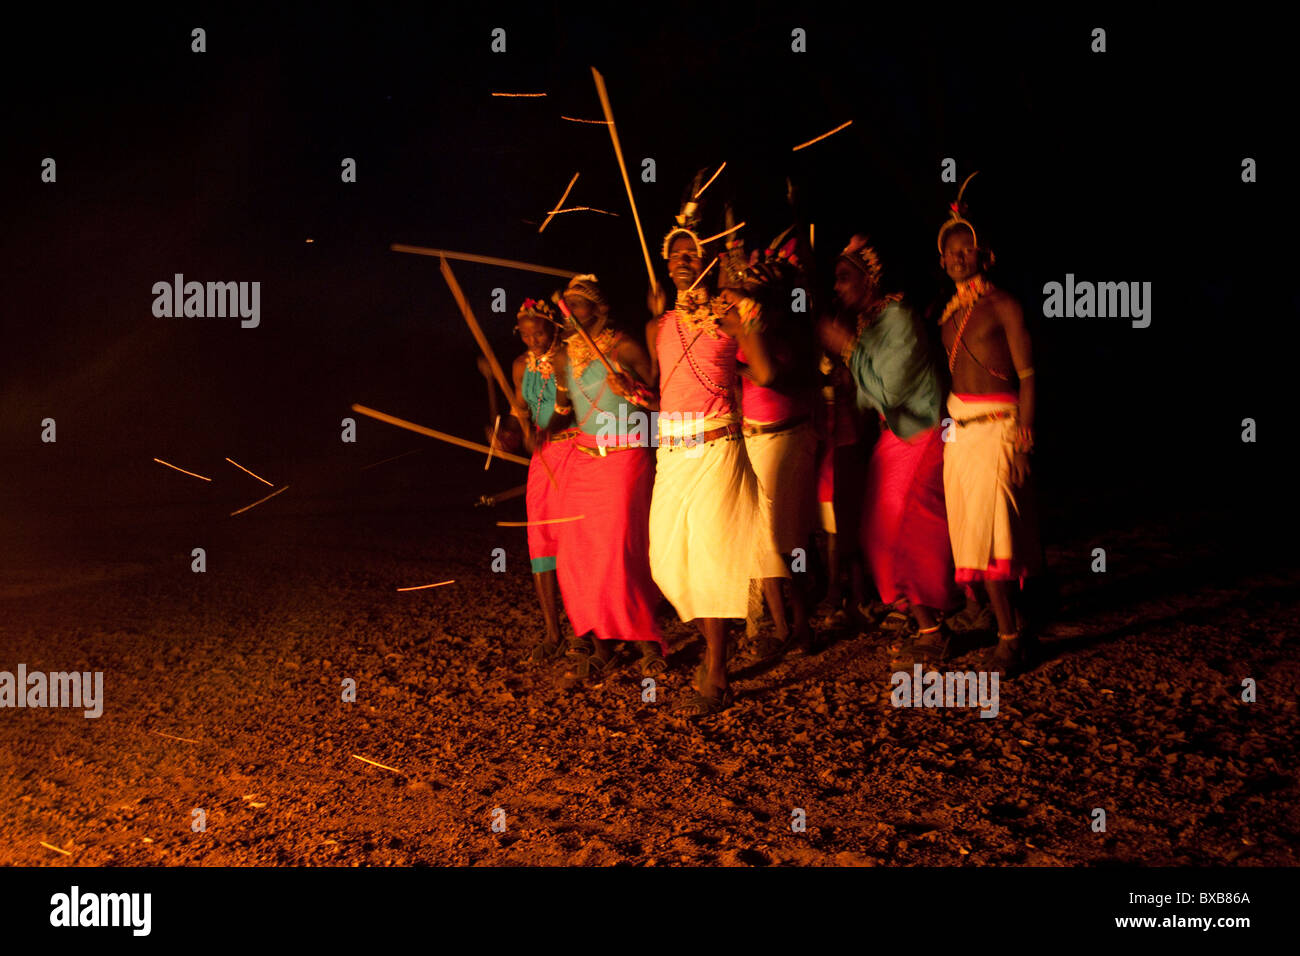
x=769, y=405
x=696, y=370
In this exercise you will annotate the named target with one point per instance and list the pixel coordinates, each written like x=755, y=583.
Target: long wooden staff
x=441, y=436
x=485, y=260
x=481, y=339
x=477, y=332
x=558, y=299
x=622, y=167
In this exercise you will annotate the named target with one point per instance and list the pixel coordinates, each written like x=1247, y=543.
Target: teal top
x=539, y=394
x=591, y=395
x=895, y=373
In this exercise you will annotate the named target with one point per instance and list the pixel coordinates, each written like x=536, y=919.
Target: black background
x=1121, y=166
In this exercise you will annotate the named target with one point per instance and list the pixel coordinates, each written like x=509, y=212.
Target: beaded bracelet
x=641, y=395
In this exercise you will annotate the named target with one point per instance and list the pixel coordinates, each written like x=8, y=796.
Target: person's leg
x=548, y=597
x=924, y=617
x=776, y=605
x=715, y=657
x=799, y=626
x=1013, y=652
x=1000, y=600
x=834, y=591
x=857, y=585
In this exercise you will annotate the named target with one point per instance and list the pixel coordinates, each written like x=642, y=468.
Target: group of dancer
x=760, y=400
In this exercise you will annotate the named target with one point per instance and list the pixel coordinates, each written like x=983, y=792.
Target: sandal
x=934, y=647
x=652, y=661
x=592, y=668
x=543, y=651
x=772, y=648
x=895, y=620
x=697, y=705
x=578, y=647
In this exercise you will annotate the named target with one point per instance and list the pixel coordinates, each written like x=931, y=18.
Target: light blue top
x=590, y=390
x=895, y=372
x=539, y=394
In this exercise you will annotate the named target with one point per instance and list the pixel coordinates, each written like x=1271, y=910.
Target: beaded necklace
x=702, y=378
x=967, y=296
x=697, y=311
x=580, y=356
x=541, y=364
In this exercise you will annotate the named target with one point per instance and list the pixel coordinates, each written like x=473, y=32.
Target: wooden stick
x=259, y=501
x=181, y=470
x=503, y=495
x=702, y=275
x=441, y=436
x=574, y=119
x=477, y=332
x=519, y=94
x=710, y=182
x=622, y=167
x=485, y=260
x=818, y=139
x=242, y=468
x=525, y=524
x=50, y=846
x=725, y=232
x=492, y=444
x=421, y=587
x=549, y=474
x=547, y=220
x=586, y=336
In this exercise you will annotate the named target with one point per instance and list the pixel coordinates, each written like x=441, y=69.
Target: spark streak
x=375, y=764
x=547, y=221
x=394, y=458
x=242, y=468
x=556, y=212
x=818, y=139
x=159, y=733
x=259, y=501
x=182, y=470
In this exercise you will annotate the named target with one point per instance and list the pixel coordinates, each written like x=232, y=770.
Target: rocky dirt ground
x=1137, y=711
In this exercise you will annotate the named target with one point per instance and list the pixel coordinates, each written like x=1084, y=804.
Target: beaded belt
x=689, y=441
x=770, y=427
x=565, y=435
x=600, y=451
x=987, y=417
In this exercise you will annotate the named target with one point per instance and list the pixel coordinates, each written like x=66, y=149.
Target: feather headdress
x=688, y=219
x=958, y=217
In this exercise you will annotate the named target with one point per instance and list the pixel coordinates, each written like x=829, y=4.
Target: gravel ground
x=1137, y=710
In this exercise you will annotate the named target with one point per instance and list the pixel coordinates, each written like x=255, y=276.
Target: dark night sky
x=1123, y=166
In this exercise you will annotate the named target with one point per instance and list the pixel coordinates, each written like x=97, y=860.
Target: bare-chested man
x=986, y=459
